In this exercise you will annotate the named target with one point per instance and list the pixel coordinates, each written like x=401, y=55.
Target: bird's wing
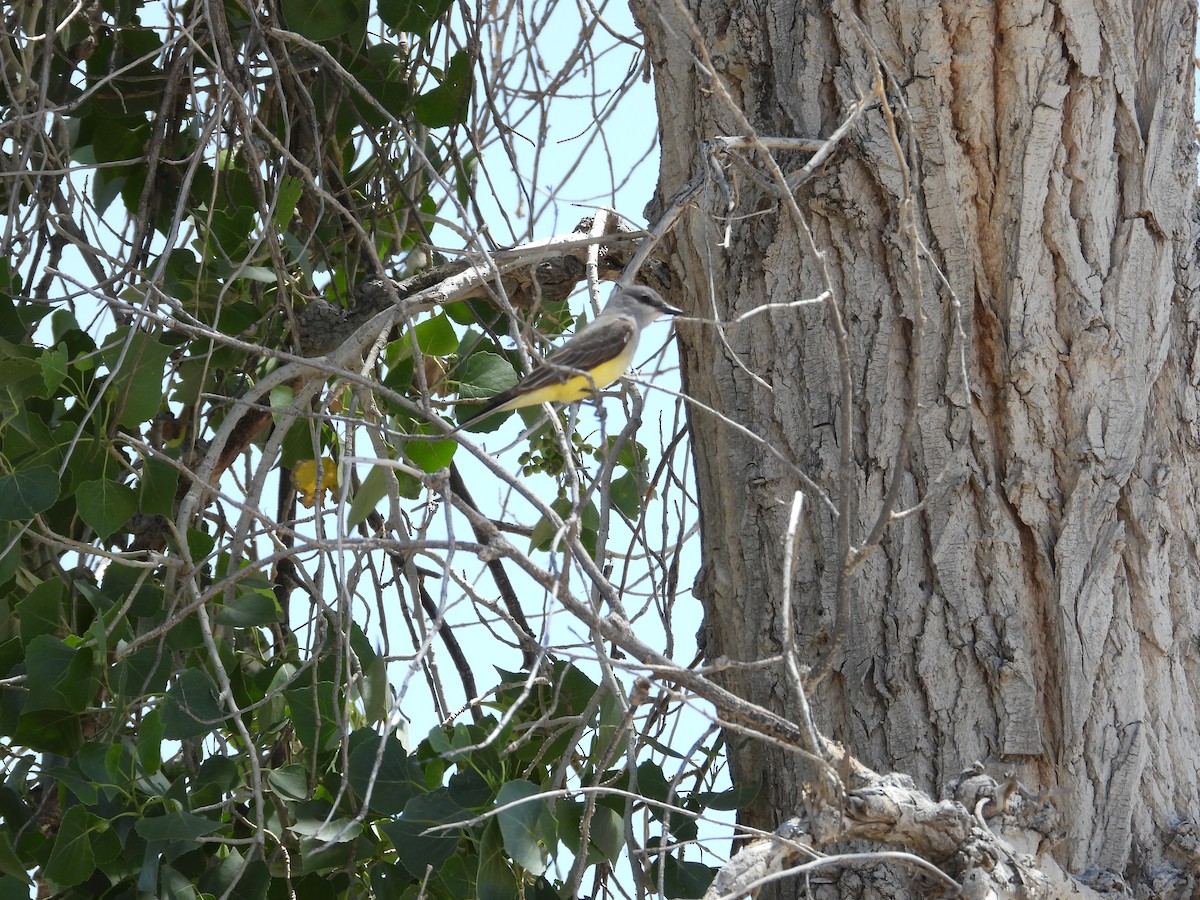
x=583, y=353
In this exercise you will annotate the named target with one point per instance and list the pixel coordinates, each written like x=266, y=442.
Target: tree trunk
x=1039, y=611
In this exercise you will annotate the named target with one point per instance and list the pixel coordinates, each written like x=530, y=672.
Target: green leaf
x=136, y=359
x=146, y=670
x=16, y=321
x=372, y=683
x=483, y=375
x=49, y=730
x=40, y=611
x=26, y=435
x=282, y=397
x=84, y=789
x=249, y=610
x=20, y=381
x=652, y=784
x=289, y=782
x=519, y=825
x=316, y=725
x=160, y=480
x=105, y=505
x=320, y=858
x=608, y=832
x=322, y=20
x=447, y=103
x=191, y=708
x=314, y=819
x=685, y=879
x=106, y=843
x=287, y=195
x=10, y=562
x=260, y=274
x=11, y=864
x=370, y=492
x=382, y=71
x=89, y=456
x=398, y=779
x=545, y=530
x=229, y=230
x=606, y=838
x=464, y=177
x=494, y=880
x=27, y=492
x=180, y=825
x=120, y=582
x=149, y=741
x=71, y=861
x=436, y=336
x=106, y=187
x=625, y=495
x=18, y=362
x=431, y=456
x=470, y=790
x=734, y=798
x=62, y=324
x=462, y=312
x=235, y=877
x=417, y=850
x=413, y=16
x=574, y=686
x=147, y=881
x=200, y=545
x=59, y=677
x=388, y=881
x=298, y=444
x=54, y=368
x=218, y=775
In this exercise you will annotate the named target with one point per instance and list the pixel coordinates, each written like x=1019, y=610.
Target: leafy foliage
x=171, y=725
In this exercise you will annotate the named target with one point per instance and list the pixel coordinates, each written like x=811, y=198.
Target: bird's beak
x=669, y=310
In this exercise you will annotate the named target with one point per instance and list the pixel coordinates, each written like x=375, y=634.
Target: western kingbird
x=593, y=359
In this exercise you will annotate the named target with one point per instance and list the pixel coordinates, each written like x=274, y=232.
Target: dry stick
x=529, y=641
x=589, y=802
x=446, y=633
x=418, y=635
x=617, y=630
x=285, y=580
x=791, y=653
x=680, y=202
x=639, y=530
x=400, y=561
x=402, y=565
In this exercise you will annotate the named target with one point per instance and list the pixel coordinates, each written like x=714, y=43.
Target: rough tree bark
x=1039, y=613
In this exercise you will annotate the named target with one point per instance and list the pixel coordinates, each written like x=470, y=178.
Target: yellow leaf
x=304, y=479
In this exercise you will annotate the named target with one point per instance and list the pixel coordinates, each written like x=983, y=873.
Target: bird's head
x=643, y=303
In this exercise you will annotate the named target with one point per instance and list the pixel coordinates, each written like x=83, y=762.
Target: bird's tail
x=492, y=407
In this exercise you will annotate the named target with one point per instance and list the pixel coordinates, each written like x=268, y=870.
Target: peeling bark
x=1041, y=611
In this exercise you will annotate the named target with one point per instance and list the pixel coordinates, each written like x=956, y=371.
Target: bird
x=593, y=359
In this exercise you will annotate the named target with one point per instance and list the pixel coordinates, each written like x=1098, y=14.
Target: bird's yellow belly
x=579, y=387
